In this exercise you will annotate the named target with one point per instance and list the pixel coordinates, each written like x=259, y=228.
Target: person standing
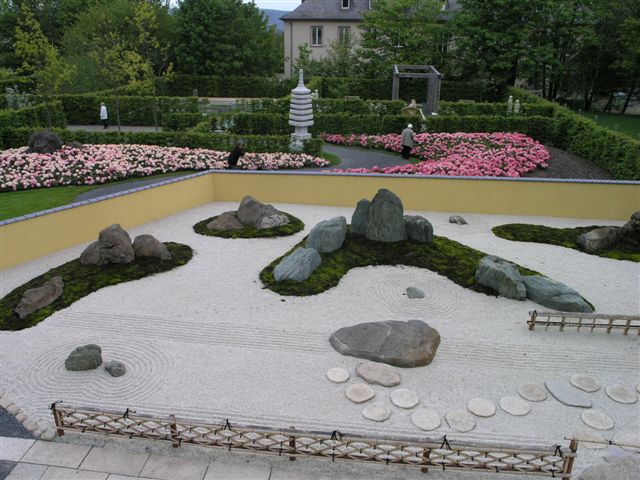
x=408, y=138
x=104, y=116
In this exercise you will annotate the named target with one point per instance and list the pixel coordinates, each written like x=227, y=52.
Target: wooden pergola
x=429, y=72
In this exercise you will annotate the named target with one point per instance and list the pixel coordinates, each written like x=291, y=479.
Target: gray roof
x=328, y=10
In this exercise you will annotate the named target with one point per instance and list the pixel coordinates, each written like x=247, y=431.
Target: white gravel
x=206, y=341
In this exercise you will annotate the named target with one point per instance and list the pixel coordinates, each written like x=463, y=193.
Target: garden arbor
x=429, y=72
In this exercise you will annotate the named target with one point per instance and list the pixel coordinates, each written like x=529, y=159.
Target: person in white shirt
x=104, y=116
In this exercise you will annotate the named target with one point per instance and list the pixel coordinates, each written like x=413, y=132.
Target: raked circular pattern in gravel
x=597, y=419
x=621, y=394
x=404, y=398
x=533, y=392
x=337, y=375
x=514, y=406
x=585, y=382
x=481, y=407
x=461, y=420
x=426, y=419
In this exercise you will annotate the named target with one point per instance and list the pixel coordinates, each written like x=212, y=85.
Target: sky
x=278, y=4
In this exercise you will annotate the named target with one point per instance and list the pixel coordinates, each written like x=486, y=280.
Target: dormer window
x=346, y=4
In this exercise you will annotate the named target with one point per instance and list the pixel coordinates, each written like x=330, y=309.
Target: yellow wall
x=35, y=237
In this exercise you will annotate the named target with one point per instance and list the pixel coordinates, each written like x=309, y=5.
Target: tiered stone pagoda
x=300, y=113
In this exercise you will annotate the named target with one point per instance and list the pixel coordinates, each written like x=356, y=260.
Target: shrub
x=214, y=86
x=180, y=121
x=326, y=106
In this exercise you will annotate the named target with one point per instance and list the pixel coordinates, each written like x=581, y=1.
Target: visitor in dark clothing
x=235, y=155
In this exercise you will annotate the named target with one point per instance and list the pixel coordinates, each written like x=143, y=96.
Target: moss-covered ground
x=294, y=226
x=447, y=257
x=81, y=280
x=563, y=237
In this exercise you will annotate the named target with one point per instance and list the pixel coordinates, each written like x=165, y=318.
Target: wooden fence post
x=568, y=462
x=174, y=431
x=57, y=418
x=292, y=444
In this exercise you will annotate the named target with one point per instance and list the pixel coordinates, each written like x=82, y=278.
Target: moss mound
x=563, y=237
x=447, y=257
x=81, y=280
x=294, y=226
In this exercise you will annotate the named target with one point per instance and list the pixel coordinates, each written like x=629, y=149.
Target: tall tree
x=629, y=60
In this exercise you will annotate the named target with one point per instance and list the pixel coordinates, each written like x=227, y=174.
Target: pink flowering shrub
x=456, y=154
x=95, y=164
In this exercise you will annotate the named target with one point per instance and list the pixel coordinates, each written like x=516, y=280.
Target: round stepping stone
x=461, y=420
x=425, y=419
x=630, y=440
x=565, y=393
x=584, y=436
x=585, y=382
x=597, y=419
x=621, y=394
x=360, y=393
x=638, y=388
x=337, y=375
x=378, y=374
x=532, y=392
x=413, y=292
x=404, y=398
x=481, y=407
x=514, y=406
x=378, y=412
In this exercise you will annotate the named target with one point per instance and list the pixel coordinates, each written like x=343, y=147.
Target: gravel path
x=563, y=164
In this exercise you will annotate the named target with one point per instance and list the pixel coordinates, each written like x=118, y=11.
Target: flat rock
x=425, y=419
x=115, y=368
x=378, y=412
x=599, y=239
x=585, y=382
x=328, y=235
x=224, y=222
x=556, y=295
x=360, y=216
x=627, y=439
x=590, y=439
x=621, y=394
x=86, y=357
x=532, y=392
x=113, y=246
x=565, y=393
x=481, y=407
x=337, y=375
x=360, y=393
x=402, y=344
x=457, y=219
x=515, y=405
x=385, y=219
x=298, y=266
x=149, y=246
x=419, y=229
x=461, y=420
x=378, y=374
x=404, y=398
x=597, y=419
x=413, y=292
x=501, y=276
x=36, y=298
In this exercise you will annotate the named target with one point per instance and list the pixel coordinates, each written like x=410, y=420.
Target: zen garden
x=412, y=255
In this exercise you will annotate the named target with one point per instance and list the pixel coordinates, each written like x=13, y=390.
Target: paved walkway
x=112, y=128
x=361, y=158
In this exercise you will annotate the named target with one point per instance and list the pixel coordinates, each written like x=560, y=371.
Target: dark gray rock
x=402, y=344
x=113, y=246
x=115, y=368
x=149, y=246
x=413, y=292
x=385, y=222
x=360, y=216
x=599, y=239
x=566, y=393
x=328, y=235
x=44, y=141
x=225, y=221
x=36, y=298
x=419, y=229
x=554, y=294
x=76, y=145
x=253, y=213
x=630, y=232
x=623, y=467
x=457, y=219
x=501, y=276
x=298, y=266
x=86, y=357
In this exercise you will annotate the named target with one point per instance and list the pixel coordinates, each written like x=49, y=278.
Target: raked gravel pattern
x=206, y=341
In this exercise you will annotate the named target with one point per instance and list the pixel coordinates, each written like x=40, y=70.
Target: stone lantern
x=300, y=114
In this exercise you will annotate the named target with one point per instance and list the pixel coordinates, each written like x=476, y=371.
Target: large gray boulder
x=36, y=298
x=501, y=276
x=44, y=141
x=402, y=344
x=630, y=232
x=360, y=217
x=385, y=221
x=328, y=235
x=253, y=213
x=86, y=357
x=554, y=294
x=113, y=246
x=298, y=266
x=225, y=221
x=419, y=229
x=622, y=467
x=149, y=246
x=599, y=239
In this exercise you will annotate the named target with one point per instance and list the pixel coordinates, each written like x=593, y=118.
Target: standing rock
x=149, y=246
x=298, y=266
x=554, y=294
x=86, y=357
x=419, y=229
x=501, y=276
x=328, y=235
x=360, y=216
x=457, y=219
x=113, y=246
x=115, y=368
x=253, y=213
x=44, y=141
x=630, y=232
x=36, y=298
x=224, y=222
x=599, y=239
x=385, y=222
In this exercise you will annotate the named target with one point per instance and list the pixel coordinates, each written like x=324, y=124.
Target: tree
x=629, y=60
x=311, y=67
x=341, y=59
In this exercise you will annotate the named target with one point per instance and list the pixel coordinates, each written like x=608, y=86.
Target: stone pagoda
x=300, y=114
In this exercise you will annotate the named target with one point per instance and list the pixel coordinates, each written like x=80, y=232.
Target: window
x=344, y=33
x=369, y=4
x=346, y=4
x=316, y=36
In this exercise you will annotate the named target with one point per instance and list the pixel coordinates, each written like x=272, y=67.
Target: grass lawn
x=332, y=157
x=627, y=124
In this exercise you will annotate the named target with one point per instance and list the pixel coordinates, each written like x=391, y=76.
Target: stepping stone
x=461, y=420
x=360, y=393
x=378, y=412
x=404, y=398
x=585, y=382
x=631, y=439
x=413, y=292
x=585, y=435
x=597, y=419
x=621, y=394
x=481, y=407
x=532, y=392
x=425, y=419
x=565, y=393
x=638, y=388
x=378, y=374
x=337, y=375
x=514, y=406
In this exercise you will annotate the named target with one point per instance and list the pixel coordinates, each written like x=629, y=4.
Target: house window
x=346, y=4
x=344, y=33
x=316, y=36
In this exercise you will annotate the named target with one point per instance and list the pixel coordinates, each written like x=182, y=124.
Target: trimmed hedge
x=326, y=106
x=180, y=121
x=214, y=86
x=37, y=116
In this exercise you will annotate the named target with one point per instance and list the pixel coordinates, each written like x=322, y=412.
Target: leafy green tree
x=341, y=59
x=311, y=67
x=629, y=60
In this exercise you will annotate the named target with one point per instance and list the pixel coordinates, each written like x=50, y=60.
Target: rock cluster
x=608, y=237
x=251, y=213
x=89, y=357
x=36, y=298
x=44, y=141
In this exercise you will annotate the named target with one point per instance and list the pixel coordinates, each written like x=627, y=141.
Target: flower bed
x=96, y=164
x=456, y=154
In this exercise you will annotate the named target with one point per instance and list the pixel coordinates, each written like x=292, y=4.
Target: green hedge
x=214, y=86
x=37, y=116
x=180, y=121
x=326, y=106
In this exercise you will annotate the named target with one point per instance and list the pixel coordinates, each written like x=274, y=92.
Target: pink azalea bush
x=456, y=154
x=96, y=164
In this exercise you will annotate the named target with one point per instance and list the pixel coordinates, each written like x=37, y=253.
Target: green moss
x=294, y=226
x=81, y=280
x=563, y=237
x=447, y=257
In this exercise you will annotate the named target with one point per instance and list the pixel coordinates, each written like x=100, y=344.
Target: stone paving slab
x=14, y=448
x=58, y=473
x=115, y=476
x=56, y=454
x=27, y=471
x=119, y=462
x=171, y=468
x=226, y=471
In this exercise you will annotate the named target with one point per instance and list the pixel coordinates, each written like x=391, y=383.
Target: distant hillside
x=274, y=18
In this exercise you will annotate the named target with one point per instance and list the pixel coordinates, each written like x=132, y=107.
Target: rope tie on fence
x=127, y=412
x=558, y=452
x=445, y=442
x=337, y=436
x=227, y=425
x=52, y=407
